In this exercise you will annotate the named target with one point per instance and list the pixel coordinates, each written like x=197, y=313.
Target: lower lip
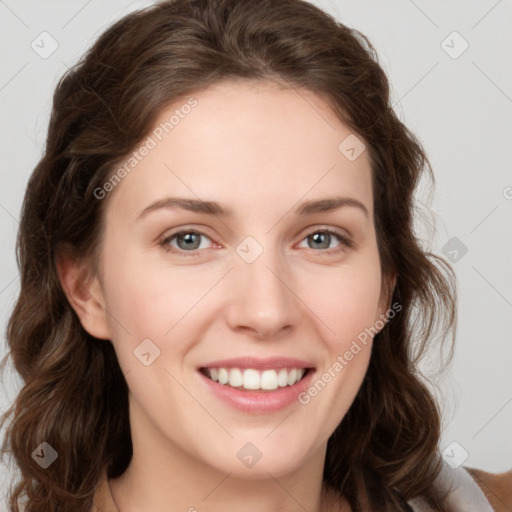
x=259, y=401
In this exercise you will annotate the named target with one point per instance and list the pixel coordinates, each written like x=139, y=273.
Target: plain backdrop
x=449, y=64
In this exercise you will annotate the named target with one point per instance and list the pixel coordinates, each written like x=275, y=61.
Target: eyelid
x=164, y=240
x=345, y=240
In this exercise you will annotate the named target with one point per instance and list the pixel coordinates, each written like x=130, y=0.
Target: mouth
x=252, y=379
x=257, y=385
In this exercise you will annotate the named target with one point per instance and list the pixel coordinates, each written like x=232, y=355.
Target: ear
x=83, y=291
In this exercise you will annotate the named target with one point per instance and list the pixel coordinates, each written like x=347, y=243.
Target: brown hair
x=74, y=395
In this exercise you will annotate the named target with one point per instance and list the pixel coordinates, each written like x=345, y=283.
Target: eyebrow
x=214, y=208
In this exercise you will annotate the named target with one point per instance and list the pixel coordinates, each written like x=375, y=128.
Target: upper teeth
x=254, y=379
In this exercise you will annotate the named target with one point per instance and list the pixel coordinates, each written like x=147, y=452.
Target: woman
x=185, y=343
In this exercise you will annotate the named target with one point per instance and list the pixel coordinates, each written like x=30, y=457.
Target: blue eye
x=188, y=242
x=324, y=236
x=188, y=239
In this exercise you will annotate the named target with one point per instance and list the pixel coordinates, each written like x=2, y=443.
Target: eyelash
x=164, y=242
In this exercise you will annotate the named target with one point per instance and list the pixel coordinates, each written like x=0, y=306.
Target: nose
x=263, y=302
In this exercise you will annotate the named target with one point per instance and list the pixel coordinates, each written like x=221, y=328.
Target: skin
x=260, y=150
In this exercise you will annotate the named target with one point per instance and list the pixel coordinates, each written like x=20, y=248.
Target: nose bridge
x=262, y=300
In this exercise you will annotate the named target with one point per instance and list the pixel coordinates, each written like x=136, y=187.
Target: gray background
x=458, y=104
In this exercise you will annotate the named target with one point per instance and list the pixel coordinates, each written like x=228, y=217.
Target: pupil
x=317, y=238
x=188, y=238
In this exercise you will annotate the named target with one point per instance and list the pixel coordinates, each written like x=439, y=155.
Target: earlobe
x=84, y=294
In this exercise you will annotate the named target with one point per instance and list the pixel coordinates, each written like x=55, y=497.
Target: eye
x=186, y=240
x=189, y=241
x=322, y=238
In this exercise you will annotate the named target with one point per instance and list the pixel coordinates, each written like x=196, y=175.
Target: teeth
x=253, y=379
x=223, y=376
x=235, y=377
x=282, y=378
x=269, y=380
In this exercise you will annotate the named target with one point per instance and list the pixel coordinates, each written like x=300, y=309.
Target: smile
x=252, y=379
x=257, y=385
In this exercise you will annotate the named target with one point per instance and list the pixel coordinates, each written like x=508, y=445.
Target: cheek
x=348, y=306
x=346, y=303
x=149, y=298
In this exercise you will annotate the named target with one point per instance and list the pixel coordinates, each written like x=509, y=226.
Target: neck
x=232, y=497
x=162, y=476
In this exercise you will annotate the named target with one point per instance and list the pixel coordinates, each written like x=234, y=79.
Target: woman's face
x=255, y=290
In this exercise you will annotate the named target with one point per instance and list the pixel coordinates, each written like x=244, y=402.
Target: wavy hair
x=74, y=395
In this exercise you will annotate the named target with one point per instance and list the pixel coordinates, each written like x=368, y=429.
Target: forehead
x=247, y=144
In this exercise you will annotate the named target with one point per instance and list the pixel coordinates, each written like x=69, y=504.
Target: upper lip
x=259, y=363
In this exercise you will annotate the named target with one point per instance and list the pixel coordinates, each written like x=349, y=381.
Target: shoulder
x=497, y=487
x=467, y=489
x=102, y=501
